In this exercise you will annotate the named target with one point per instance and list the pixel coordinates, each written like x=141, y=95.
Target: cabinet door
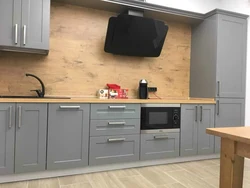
x=160, y=146
x=68, y=136
x=189, y=122
x=7, y=137
x=35, y=24
x=229, y=113
x=206, y=120
x=114, y=149
x=31, y=131
x=231, y=56
x=10, y=20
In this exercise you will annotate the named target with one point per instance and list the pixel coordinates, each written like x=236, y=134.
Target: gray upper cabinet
x=206, y=120
x=10, y=11
x=195, y=119
x=35, y=24
x=31, y=136
x=68, y=136
x=218, y=56
x=229, y=113
x=24, y=25
x=189, y=123
x=7, y=137
x=231, y=56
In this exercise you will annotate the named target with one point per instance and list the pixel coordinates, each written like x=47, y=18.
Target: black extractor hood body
x=135, y=36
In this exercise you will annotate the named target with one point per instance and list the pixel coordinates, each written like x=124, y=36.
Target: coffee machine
x=143, y=89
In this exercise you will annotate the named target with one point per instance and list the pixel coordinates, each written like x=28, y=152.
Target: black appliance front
x=160, y=118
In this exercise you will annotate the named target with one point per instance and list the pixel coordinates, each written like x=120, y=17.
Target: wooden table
x=235, y=145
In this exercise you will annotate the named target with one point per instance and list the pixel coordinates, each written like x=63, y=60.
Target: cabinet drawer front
x=115, y=111
x=159, y=146
x=114, y=149
x=114, y=127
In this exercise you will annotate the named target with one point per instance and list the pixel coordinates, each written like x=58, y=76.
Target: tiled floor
x=199, y=174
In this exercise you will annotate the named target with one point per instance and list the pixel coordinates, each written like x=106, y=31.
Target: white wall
x=204, y=6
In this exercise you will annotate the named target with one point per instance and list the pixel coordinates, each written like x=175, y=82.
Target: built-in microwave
x=157, y=118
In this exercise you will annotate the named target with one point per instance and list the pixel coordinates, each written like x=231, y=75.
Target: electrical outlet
x=152, y=89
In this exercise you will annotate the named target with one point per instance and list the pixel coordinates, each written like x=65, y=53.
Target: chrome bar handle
x=218, y=88
x=117, y=107
x=196, y=113
x=116, y=139
x=10, y=117
x=160, y=137
x=19, y=116
x=201, y=113
x=218, y=107
x=16, y=31
x=69, y=107
x=24, y=34
x=117, y=123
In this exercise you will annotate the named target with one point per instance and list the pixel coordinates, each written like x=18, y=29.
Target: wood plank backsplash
x=78, y=66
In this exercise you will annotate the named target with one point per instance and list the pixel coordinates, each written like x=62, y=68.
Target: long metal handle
x=201, y=113
x=19, y=116
x=116, y=139
x=218, y=88
x=10, y=117
x=218, y=107
x=24, y=34
x=117, y=123
x=196, y=113
x=16, y=30
x=117, y=107
x=160, y=137
x=69, y=107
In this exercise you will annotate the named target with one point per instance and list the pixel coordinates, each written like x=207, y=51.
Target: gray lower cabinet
x=194, y=121
x=229, y=113
x=189, y=131
x=31, y=136
x=160, y=146
x=68, y=136
x=7, y=137
x=114, y=149
x=114, y=127
x=115, y=111
x=206, y=120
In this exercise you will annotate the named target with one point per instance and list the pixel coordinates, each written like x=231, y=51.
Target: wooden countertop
x=240, y=134
x=95, y=100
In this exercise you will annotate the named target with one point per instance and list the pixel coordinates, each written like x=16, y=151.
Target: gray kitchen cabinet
x=189, y=123
x=194, y=121
x=24, y=25
x=218, y=56
x=160, y=146
x=10, y=11
x=114, y=149
x=114, y=127
x=68, y=136
x=115, y=111
x=206, y=120
x=7, y=137
x=35, y=24
x=229, y=113
x=31, y=136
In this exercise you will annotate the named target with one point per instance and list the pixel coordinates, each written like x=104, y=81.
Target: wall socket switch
x=152, y=89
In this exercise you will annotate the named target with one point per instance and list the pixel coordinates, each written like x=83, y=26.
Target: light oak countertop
x=240, y=134
x=96, y=100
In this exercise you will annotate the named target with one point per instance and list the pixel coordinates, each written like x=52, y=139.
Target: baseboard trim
x=91, y=169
